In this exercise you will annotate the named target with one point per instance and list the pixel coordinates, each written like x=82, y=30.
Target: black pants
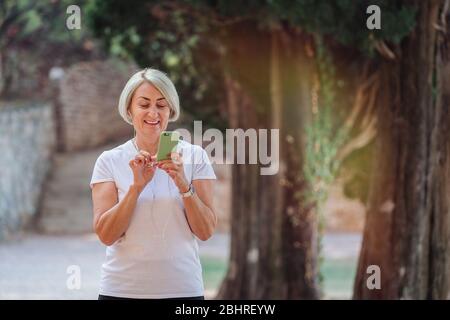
x=102, y=297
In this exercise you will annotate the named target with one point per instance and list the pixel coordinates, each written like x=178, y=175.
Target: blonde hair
x=157, y=78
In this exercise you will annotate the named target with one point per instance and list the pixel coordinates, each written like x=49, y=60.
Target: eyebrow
x=162, y=98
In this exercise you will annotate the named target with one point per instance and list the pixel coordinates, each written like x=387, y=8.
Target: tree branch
x=361, y=93
x=14, y=15
x=206, y=13
x=362, y=139
x=384, y=50
x=363, y=109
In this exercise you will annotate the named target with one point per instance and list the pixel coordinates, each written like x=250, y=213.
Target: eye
x=143, y=105
x=161, y=103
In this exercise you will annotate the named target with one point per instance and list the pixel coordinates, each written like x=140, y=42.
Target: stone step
x=66, y=204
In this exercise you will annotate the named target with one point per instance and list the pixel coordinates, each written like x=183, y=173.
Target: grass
x=214, y=270
x=338, y=275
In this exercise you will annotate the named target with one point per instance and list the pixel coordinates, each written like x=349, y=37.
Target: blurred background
x=361, y=98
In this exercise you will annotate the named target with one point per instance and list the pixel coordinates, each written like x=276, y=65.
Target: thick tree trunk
x=440, y=228
x=407, y=225
x=4, y=77
x=300, y=223
x=273, y=244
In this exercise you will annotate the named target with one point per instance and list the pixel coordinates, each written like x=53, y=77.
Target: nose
x=152, y=112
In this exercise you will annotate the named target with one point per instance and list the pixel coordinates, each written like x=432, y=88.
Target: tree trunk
x=273, y=244
x=4, y=78
x=440, y=229
x=407, y=224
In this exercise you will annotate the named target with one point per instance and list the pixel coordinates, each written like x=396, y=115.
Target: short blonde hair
x=157, y=78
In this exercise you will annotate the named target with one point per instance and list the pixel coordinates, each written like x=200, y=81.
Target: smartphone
x=168, y=142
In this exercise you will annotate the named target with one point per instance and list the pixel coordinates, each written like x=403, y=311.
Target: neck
x=147, y=144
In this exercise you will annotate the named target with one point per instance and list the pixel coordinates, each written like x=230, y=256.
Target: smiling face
x=150, y=111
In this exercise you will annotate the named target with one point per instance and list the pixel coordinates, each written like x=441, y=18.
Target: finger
x=146, y=155
x=169, y=166
x=151, y=164
x=163, y=164
x=168, y=169
x=133, y=164
x=165, y=161
x=140, y=159
x=169, y=162
x=176, y=157
x=149, y=169
x=172, y=173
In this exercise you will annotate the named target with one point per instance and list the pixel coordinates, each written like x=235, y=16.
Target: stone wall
x=88, y=98
x=26, y=146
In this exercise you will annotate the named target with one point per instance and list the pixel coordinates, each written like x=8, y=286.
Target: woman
x=148, y=213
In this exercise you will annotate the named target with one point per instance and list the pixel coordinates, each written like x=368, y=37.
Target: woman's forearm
x=114, y=223
x=201, y=218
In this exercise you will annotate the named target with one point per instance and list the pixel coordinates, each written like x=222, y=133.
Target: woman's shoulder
x=116, y=151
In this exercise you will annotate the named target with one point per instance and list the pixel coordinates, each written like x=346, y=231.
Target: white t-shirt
x=158, y=255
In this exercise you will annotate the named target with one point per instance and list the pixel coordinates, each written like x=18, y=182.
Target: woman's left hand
x=174, y=168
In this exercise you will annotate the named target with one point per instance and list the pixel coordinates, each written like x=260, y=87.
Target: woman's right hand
x=143, y=167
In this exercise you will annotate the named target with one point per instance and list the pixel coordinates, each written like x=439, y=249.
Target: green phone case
x=167, y=143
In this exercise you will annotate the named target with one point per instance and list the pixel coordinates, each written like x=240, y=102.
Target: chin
x=152, y=131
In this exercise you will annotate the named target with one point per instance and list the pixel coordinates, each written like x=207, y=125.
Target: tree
x=274, y=228
x=407, y=227
x=34, y=38
x=12, y=15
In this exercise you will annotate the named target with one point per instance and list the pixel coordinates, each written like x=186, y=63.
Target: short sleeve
x=202, y=168
x=102, y=170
